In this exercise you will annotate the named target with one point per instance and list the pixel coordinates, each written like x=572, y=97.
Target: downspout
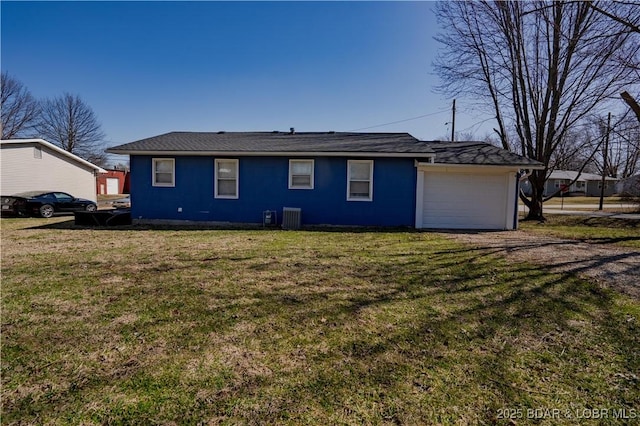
x=519, y=176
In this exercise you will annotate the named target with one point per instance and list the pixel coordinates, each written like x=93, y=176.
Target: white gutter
x=501, y=166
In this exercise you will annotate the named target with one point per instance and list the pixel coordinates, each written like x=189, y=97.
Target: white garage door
x=464, y=200
x=113, y=185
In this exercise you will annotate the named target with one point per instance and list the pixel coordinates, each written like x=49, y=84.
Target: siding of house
x=263, y=185
x=553, y=185
x=593, y=188
x=21, y=171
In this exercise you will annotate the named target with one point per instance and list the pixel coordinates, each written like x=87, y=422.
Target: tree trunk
x=632, y=103
x=537, y=181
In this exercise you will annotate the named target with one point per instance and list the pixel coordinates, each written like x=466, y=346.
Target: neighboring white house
x=588, y=184
x=35, y=164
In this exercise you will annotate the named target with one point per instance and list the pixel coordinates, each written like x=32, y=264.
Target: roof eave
x=503, y=166
x=275, y=153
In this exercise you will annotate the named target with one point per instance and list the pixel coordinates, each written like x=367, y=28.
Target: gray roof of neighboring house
x=276, y=142
x=479, y=153
x=572, y=175
x=328, y=143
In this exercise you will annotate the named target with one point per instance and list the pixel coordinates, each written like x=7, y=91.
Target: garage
x=465, y=199
x=113, y=186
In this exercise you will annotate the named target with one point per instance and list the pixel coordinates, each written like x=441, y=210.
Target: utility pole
x=604, y=161
x=453, y=121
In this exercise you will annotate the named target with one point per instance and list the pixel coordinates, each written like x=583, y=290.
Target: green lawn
x=610, y=204
x=597, y=230
x=609, y=201
x=174, y=326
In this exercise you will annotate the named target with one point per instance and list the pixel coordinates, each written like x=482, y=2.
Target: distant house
x=629, y=186
x=587, y=184
x=113, y=182
x=35, y=164
x=329, y=178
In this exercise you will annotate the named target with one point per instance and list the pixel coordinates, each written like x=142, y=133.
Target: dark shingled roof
x=277, y=142
x=264, y=143
x=479, y=153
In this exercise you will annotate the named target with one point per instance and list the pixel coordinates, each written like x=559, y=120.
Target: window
x=63, y=197
x=164, y=172
x=359, y=180
x=37, y=152
x=300, y=174
x=226, y=184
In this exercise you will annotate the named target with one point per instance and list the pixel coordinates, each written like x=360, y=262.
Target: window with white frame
x=360, y=180
x=226, y=184
x=301, y=174
x=164, y=172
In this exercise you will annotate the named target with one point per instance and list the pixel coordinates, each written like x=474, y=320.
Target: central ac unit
x=291, y=218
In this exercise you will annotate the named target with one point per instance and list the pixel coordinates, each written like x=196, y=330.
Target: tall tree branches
x=542, y=67
x=71, y=124
x=19, y=109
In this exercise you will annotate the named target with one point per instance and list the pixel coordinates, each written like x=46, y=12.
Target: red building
x=113, y=182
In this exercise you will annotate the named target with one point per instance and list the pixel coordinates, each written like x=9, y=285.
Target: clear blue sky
x=147, y=68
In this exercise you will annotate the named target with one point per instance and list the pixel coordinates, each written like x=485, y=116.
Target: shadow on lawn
x=610, y=240
x=598, y=263
x=417, y=331
x=534, y=313
x=205, y=226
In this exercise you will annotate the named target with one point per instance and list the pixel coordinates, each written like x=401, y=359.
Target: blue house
x=324, y=178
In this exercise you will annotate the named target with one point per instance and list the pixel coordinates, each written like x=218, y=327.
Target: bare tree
x=630, y=18
x=623, y=151
x=542, y=67
x=573, y=152
x=19, y=108
x=624, y=15
x=69, y=123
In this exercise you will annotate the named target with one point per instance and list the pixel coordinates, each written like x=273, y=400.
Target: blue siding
x=263, y=185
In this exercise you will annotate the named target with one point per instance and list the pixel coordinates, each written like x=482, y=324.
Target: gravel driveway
x=612, y=266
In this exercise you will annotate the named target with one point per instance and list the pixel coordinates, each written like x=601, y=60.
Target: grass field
x=597, y=230
x=610, y=204
x=168, y=326
x=609, y=201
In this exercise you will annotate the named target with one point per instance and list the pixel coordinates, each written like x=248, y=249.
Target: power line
x=400, y=121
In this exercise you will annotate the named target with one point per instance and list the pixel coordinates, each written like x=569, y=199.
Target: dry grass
x=600, y=230
x=608, y=201
x=260, y=327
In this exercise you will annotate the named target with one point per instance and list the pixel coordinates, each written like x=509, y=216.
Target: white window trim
x=173, y=172
x=215, y=177
x=370, y=198
x=313, y=169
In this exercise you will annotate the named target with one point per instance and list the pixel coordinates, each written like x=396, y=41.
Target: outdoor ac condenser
x=291, y=218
